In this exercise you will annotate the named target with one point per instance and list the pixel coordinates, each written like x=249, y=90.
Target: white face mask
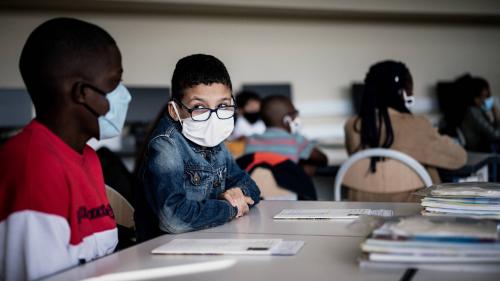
x=294, y=124
x=207, y=133
x=409, y=100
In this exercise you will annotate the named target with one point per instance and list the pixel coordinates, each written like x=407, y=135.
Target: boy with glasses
x=188, y=179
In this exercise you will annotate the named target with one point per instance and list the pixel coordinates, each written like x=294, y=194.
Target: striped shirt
x=277, y=140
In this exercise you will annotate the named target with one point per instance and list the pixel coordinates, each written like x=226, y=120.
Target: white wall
x=321, y=59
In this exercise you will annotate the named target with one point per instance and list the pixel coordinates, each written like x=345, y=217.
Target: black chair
x=452, y=103
x=119, y=184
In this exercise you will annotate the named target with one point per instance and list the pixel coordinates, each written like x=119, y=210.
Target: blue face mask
x=488, y=104
x=111, y=124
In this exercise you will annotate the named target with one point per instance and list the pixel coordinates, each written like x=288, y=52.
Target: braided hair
x=384, y=83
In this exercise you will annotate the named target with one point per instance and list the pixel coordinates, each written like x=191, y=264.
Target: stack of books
x=475, y=200
x=432, y=242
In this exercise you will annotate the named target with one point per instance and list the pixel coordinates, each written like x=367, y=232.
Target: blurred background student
x=480, y=125
x=385, y=121
x=290, y=156
x=248, y=121
x=282, y=135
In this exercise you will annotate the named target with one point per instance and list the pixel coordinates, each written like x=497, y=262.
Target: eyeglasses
x=204, y=113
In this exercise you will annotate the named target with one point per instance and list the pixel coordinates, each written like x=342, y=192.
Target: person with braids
x=385, y=121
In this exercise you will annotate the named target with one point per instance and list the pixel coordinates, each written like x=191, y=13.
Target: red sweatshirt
x=54, y=212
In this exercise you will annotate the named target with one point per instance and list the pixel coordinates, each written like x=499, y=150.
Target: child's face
x=105, y=74
x=252, y=106
x=485, y=93
x=208, y=96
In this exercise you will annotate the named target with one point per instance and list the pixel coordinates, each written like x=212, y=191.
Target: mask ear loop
x=409, y=99
x=287, y=120
x=176, y=112
x=90, y=109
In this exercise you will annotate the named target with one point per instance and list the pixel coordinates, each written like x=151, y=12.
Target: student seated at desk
x=248, y=121
x=188, y=180
x=282, y=135
x=386, y=121
x=481, y=124
x=54, y=213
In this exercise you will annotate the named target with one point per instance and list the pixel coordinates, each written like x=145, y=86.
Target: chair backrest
x=379, y=152
x=287, y=174
x=269, y=188
x=122, y=209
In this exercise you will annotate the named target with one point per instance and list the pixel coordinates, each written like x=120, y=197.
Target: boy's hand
x=237, y=199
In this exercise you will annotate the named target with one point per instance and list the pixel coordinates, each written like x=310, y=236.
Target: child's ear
x=78, y=92
x=171, y=111
x=286, y=123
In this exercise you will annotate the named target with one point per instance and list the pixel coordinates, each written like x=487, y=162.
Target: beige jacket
x=414, y=136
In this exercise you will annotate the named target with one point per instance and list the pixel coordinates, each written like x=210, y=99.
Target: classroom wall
x=320, y=58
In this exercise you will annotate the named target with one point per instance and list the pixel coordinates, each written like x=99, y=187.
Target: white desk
x=260, y=219
x=330, y=251
x=321, y=258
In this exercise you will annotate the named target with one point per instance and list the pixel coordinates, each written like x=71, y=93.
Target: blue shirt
x=181, y=183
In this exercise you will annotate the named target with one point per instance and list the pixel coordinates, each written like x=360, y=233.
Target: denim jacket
x=181, y=183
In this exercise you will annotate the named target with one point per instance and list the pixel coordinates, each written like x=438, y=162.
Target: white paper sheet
x=330, y=213
x=229, y=247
